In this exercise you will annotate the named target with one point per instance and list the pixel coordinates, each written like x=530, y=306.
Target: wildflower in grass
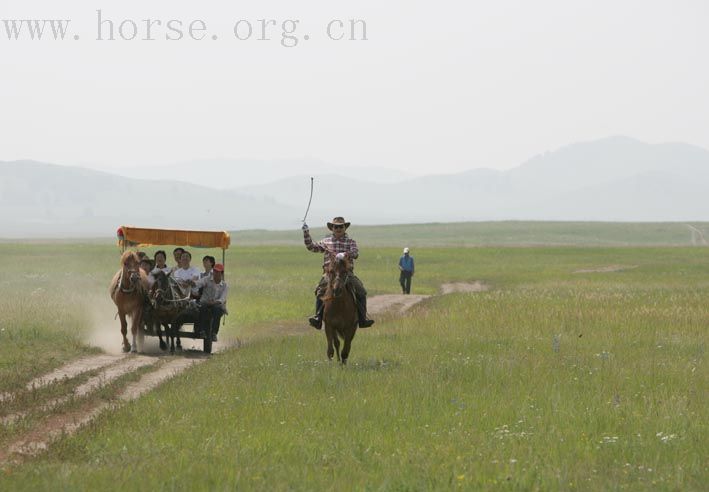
x=666, y=437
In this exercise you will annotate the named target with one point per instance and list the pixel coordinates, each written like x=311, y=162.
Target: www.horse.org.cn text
x=288, y=33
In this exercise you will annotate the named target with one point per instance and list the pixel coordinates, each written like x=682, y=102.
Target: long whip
x=310, y=200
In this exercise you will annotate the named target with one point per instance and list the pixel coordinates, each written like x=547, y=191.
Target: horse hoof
x=126, y=348
x=163, y=346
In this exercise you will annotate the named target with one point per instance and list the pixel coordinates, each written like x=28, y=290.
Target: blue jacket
x=406, y=262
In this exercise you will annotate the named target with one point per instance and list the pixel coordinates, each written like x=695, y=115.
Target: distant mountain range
x=233, y=173
x=613, y=179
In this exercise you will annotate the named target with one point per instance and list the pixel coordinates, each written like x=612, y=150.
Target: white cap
x=406, y=250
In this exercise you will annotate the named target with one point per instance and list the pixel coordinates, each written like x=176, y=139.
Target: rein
x=172, y=286
x=330, y=292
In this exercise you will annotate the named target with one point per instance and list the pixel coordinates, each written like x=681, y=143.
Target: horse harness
x=120, y=281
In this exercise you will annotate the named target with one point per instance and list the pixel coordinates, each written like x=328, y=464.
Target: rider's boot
x=316, y=321
x=363, y=322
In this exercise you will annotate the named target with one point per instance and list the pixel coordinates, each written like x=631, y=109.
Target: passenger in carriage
x=212, y=305
x=146, y=265
x=177, y=255
x=208, y=263
x=160, y=265
x=186, y=274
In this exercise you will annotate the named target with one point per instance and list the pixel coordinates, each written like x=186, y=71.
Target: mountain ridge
x=611, y=179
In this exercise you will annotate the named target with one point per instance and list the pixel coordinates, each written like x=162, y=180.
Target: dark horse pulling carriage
x=166, y=307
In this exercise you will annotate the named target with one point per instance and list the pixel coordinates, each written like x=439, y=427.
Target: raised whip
x=310, y=200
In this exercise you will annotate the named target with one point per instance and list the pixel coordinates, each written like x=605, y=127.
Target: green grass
x=509, y=233
x=552, y=380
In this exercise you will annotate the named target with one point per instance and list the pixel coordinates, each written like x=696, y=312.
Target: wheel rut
x=50, y=420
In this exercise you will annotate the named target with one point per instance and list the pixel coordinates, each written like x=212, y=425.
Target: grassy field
x=510, y=233
x=551, y=380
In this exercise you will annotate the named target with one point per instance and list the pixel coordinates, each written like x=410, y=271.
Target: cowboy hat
x=338, y=221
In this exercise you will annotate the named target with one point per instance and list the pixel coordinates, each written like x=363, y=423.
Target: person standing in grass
x=406, y=267
x=336, y=244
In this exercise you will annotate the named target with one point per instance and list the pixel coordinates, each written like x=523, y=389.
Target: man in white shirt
x=212, y=304
x=186, y=273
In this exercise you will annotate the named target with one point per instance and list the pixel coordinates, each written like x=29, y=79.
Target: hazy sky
x=438, y=86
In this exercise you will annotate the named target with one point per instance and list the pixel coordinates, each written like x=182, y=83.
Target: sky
x=439, y=86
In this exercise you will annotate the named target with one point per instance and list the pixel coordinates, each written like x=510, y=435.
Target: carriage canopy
x=129, y=236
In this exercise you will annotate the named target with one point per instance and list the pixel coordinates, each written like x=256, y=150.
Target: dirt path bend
x=393, y=302
x=697, y=236
x=401, y=303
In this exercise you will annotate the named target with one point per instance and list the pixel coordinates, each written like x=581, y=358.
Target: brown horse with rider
x=339, y=307
x=338, y=243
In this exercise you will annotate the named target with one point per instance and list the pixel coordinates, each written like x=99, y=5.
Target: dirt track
x=607, y=269
x=51, y=419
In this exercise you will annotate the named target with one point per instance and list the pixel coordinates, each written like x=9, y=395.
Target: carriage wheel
x=208, y=341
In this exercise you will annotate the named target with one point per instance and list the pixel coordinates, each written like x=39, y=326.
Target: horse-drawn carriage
x=167, y=307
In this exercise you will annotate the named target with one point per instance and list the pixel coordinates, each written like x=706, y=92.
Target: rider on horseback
x=337, y=243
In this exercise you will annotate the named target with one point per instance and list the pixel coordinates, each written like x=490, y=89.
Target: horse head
x=338, y=272
x=130, y=265
x=160, y=290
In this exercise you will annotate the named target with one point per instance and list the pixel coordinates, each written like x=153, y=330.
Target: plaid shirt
x=331, y=244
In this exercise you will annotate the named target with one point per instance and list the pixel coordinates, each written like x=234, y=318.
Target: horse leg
x=346, y=348
x=336, y=341
x=158, y=326
x=124, y=331
x=135, y=321
x=330, y=349
x=170, y=333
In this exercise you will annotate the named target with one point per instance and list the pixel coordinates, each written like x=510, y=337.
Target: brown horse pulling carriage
x=166, y=308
